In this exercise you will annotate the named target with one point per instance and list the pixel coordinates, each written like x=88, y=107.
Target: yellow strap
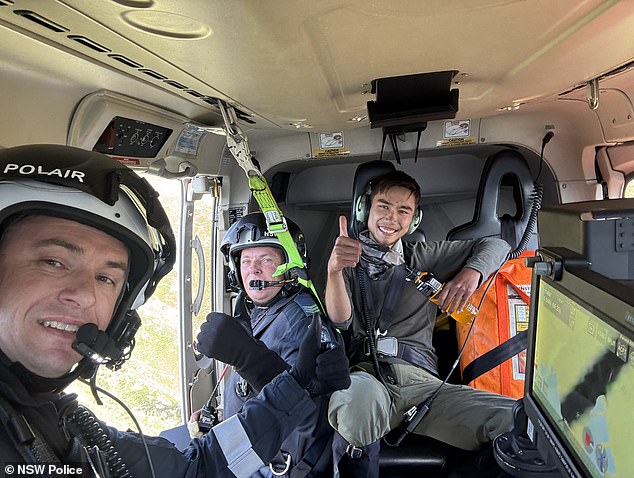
x=276, y=224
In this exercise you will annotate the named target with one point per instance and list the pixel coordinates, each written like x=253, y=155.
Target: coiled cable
x=536, y=204
x=93, y=434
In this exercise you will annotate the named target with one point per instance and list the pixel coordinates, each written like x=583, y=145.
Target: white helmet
x=95, y=190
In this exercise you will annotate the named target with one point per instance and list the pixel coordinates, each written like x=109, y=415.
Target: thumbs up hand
x=346, y=251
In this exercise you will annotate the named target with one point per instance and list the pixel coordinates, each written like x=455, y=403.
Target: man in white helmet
x=83, y=243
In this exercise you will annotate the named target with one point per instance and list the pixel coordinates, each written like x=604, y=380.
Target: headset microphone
x=259, y=284
x=95, y=344
x=101, y=348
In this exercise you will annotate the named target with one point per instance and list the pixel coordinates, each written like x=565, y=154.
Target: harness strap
x=275, y=222
x=27, y=441
x=392, y=296
x=414, y=357
x=311, y=457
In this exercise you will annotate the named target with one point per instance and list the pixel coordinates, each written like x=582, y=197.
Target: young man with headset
x=83, y=243
x=388, y=318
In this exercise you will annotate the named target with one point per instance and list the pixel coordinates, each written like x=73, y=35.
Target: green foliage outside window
x=149, y=382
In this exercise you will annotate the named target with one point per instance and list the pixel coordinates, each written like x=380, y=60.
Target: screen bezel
x=613, y=297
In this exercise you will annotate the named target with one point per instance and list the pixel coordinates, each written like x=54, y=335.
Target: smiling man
x=404, y=319
x=79, y=253
x=74, y=274
x=277, y=312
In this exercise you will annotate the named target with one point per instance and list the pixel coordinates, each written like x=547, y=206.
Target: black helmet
x=251, y=231
x=95, y=190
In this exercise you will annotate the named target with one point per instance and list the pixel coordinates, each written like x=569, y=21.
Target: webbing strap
x=275, y=222
x=28, y=441
x=495, y=356
x=392, y=297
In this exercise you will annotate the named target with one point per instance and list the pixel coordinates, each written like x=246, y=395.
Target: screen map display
x=583, y=378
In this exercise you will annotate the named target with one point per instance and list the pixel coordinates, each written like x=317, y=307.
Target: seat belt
x=392, y=297
x=383, y=319
x=495, y=356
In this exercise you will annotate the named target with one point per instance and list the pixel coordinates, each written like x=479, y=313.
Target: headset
x=362, y=210
x=251, y=231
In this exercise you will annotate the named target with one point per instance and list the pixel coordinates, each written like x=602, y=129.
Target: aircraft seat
x=496, y=214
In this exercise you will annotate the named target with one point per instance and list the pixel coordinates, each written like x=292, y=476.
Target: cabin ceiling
x=289, y=63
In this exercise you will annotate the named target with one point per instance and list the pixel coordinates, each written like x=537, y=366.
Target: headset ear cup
x=361, y=209
x=232, y=280
x=418, y=217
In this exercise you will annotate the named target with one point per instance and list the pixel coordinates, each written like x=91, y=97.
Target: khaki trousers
x=460, y=415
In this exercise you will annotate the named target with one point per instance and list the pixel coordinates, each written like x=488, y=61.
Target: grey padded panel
x=506, y=164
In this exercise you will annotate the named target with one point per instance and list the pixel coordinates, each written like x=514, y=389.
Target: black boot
x=355, y=462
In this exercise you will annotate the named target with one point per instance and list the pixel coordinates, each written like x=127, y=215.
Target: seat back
x=504, y=172
x=363, y=176
x=417, y=236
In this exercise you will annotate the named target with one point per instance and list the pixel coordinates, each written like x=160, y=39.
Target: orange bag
x=503, y=313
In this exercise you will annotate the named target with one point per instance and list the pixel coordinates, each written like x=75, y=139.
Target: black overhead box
x=406, y=103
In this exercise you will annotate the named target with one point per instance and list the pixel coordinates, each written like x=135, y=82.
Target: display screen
x=583, y=381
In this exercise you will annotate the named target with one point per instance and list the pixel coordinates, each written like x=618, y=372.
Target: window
x=149, y=382
x=629, y=187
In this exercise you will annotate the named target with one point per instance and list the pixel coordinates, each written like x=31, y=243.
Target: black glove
x=321, y=368
x=231, y=341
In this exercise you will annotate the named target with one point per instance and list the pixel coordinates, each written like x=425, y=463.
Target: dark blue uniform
x=237, y=447
x=282, y=326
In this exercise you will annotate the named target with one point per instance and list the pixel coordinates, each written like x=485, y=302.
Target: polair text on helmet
x=29, y=170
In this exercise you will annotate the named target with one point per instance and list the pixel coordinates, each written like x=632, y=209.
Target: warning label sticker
x=457, y=129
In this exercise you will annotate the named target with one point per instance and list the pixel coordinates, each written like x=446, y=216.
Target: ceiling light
x=358, y=118
x=513, y=107
x=300, y=124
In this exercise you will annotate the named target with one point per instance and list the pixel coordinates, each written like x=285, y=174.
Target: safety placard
x=331, y=140
x=457, y=129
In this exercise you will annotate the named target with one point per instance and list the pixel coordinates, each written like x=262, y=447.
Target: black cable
x=129, y=412
x=536, y=202
x=536, y=205
x=393, y=140
x=422, y=409
x=369, y=328
x=417, y=146
x=382, y=145
x=93, y=386
x=547, y=137
x=93, y=434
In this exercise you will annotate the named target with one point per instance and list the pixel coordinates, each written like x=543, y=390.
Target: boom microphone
x=259, y=284
x=95, y=344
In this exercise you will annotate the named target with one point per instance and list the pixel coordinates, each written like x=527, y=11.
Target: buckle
x=281, y=469
x=354, y=451
x=242, y=388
